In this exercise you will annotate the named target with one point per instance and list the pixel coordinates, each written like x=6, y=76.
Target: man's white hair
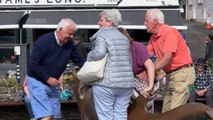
x=65, y=22
x=112, y=15
x=156, y=14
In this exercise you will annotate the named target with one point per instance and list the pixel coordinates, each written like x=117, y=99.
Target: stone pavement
x=69, y=112
x=195, y=35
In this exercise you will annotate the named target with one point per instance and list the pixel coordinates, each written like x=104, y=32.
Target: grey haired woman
x=112, y=93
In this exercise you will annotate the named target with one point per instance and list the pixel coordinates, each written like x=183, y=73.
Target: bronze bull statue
x=138, y=110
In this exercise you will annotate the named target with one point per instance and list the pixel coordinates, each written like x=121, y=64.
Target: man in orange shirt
x=173, y=57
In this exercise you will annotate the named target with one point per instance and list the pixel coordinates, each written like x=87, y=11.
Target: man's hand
x=53, y=82
x=200, y=93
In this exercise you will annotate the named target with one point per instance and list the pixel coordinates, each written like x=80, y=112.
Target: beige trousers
x=177, y=89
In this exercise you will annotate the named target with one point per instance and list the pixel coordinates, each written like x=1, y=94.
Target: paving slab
x=195, y=35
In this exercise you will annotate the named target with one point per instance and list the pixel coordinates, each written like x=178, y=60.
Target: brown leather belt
x=181, y=67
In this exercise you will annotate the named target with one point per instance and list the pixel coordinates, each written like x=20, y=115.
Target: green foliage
x=9, y=82
x=67, y=78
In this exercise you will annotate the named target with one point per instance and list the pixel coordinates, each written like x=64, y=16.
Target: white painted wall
x=199, y=9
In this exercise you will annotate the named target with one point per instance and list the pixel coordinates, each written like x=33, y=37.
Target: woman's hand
x=145, y=93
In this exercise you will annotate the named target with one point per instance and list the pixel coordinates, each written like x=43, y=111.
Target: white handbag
x=92, y=70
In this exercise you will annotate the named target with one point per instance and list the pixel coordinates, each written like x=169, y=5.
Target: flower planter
x=11, y=94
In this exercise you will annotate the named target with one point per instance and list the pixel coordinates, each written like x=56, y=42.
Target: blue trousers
x=111, y=103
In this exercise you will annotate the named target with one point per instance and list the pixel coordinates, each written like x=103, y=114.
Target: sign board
x=17, y=50
x=121, y=3
x=56, y=2
x=149, y=3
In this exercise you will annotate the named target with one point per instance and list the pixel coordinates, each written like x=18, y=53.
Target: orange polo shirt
x=169, y=39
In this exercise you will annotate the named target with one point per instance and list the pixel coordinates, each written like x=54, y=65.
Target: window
x=7, y=56
x=7, y=36
x=200, y=2
x=190, y=2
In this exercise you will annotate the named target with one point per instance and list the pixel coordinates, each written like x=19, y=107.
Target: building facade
x=199, y=10
x=23, y=21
